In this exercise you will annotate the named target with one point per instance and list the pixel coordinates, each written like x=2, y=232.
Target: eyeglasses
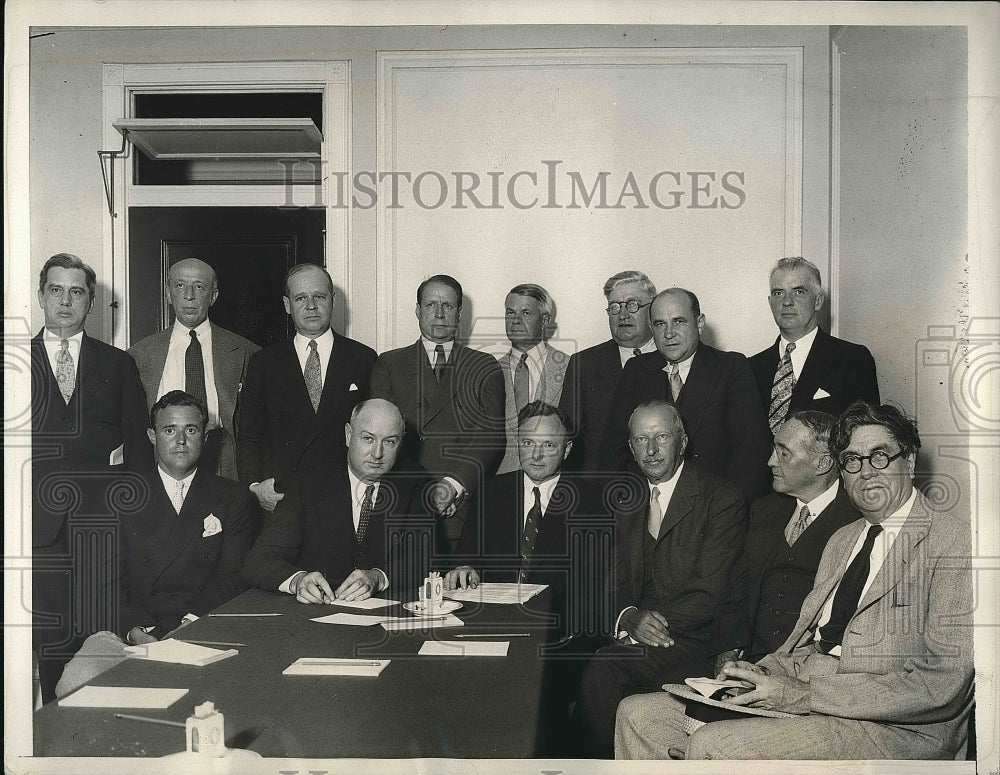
x=879, y=460
x=630, y=306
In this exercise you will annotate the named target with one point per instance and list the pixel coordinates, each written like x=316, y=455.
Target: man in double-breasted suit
x=592, y=374
x=806, y=368
x=299, y=393
x=714, y=391
x=678, y=540
x=879, y=664
x=533, y=370
x=184, y=550
x=200, y=357
x=353, y=530
x=88, y=424
x=452, y=398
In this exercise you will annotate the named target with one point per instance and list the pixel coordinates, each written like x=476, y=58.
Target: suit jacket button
x=206, y=555
x=781, y=595
x=145, y=557
x=776, y=632
x=201, y=588
x=152, y=593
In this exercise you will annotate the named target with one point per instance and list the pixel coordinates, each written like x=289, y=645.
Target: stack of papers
x=410, y=623
x=506, y=593
x=336, y=666
x=179, y=652
x=121, y=697
x=706, y=687
x=453, y=648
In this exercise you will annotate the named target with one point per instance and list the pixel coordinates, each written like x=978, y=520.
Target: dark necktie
x=531, y=525
x=366, y=512
x=521, y=382
x=781, y=390
x=194, y=370
x=637, y=351
x=439, y=361
x=845, y=602
x=314, y=384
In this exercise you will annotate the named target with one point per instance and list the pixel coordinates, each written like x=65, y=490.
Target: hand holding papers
x=507, y=593
x=179, y=652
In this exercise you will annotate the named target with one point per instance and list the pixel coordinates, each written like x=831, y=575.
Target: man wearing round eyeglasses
x=806, y=368
x=879, y=664
x=592, y=374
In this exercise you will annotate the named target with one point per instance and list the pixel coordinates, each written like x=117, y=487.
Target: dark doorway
x=250, y=249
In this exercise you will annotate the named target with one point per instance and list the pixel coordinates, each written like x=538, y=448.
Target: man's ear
x=288, y=305
x=824, y=464
x=347, y=434
x=569, y=446
x=151, y=435
x=820, y=300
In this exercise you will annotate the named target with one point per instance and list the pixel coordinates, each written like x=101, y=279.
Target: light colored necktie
x=793, y=531
x=65, y=371
x=781, y=390
x=531, y=525
x=655, y=513
x=674, y=377
x=521, y=382
x=439, y=361
x=366, y=513
x=177, y=496
x=314, y=384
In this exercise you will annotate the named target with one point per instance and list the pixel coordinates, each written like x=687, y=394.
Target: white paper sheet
x=121, y=697
x=335, y=666
x=408, y=623
x=369, y=604
x=179, y=652
x=455, y=648
x=346, y=618
x=506, y=593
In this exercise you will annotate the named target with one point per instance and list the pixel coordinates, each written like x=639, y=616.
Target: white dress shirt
x=880, y=550
x=544, y=495
x=535, y=363
x=170, y=484
x=816, y=506
x=53, y=344
x=324, y=348
x=175, y=373
x=629, y=352
x=683, y=368
x=802, y=347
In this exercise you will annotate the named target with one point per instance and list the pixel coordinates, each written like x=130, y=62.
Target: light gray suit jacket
x=906, y=657
x=549, y=390
x=230, y=355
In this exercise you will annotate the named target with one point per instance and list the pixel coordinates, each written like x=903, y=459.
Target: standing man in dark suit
x=299, y=393
x=806, y=368
x=533, y=369
x=789, y=528
x=199, y=357
x=714, y=391
x=184, y=550
x=452, y=397
x=349, y=531
x=678, y=542
x=592, y=375
x=88, y=423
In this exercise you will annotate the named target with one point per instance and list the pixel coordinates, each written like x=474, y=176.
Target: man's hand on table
x=138, y=636
x=311, y=587
x=359, y=585
x=462, y=577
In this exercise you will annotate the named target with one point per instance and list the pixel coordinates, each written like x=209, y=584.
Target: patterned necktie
x=177, y=496
x=637, y=351
x=366, y=512
x=531, y=525
x=439, y=361
x=655, y=513
x=845, y=602
x=65, y=370
x=674, y=378
x=521, y=382
x=313, y=382
x=794, y=530
x=194, y=370
x=781, y=390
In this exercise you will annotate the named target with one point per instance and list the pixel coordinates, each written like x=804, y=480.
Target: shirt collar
x=895, y=520
x=670, y=484
x=48, y=336
x=430, y=347
x=544, y=489
x=804, y=342
x=821, y=501
x=358, y=487
x=324, y=339
x=169, y=482
x=535, y=355
x=181, y=331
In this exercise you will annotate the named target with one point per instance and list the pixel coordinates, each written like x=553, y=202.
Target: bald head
x=374, y=436
x=191, y=290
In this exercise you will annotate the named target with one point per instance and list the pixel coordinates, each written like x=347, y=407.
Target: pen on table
x=210, y=642
x=130, y=717
x=336, y=662
x=495, y=635
x=246, y=614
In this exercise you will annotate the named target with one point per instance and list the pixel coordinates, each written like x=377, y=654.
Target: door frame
x=121, y=82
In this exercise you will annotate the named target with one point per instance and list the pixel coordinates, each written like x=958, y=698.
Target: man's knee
x=711, y=741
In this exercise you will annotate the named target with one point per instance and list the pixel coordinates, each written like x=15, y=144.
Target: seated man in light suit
x=532, y=369
x=677, y=544
x=347, y=533
x=199, y=357
x=879, y=664
x=806, y=368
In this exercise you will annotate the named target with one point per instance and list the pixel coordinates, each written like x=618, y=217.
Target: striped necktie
x=781, y=390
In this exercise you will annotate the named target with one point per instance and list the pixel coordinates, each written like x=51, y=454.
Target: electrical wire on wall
x=108, y=174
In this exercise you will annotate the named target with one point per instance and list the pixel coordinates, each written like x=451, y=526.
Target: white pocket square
x=352, y=387
x=820, y=393
x=212, y=526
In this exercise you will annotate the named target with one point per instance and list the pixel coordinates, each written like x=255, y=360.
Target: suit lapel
x=813, y=369
x=228, y=371
x=609, y=367
x=88, y=358
x=893, y=570
x=551, y=539
x=288, y=362
x=441, y=393
x=681, y=501
x=697, y=391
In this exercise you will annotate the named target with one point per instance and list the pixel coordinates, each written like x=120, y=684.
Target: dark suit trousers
x=617, y=672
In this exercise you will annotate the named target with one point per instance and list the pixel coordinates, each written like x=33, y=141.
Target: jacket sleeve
x=272, y=557
x=135, y=419
x=614, y=447
x=381, y=381
x=237, y=538
x=863, y=376
x=482, y=425
x=748, y=432
x=250, y=443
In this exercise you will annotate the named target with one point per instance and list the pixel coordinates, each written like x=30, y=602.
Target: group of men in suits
x=685, y=434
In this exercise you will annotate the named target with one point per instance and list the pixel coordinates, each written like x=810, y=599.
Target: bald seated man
x=198, y=357
x=349, y=531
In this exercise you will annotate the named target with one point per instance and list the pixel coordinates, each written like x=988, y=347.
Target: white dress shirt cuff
x=620, y=632
x=286, y=585
x=383, y=580
x=456, y=484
